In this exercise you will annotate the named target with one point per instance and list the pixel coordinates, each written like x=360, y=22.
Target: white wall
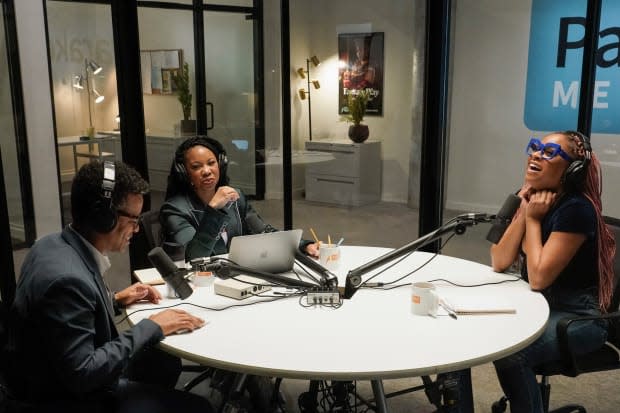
x=38, y=109
x=166, y=29
x=487, y=133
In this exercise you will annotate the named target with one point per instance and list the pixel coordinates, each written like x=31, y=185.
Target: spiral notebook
x=477, y=305
x=272, y=252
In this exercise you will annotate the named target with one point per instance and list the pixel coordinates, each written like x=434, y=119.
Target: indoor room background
x=487, y=132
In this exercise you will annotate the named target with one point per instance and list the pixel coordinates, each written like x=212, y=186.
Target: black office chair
x=572, y=365
x=150, y=226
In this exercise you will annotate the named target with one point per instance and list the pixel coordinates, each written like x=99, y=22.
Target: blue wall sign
x=554, y=66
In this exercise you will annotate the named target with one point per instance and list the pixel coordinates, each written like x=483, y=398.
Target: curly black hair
x=87, y=190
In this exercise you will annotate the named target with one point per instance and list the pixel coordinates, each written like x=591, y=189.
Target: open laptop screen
x=272, y=252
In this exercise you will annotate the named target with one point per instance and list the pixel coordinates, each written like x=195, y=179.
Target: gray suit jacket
x=65, y=342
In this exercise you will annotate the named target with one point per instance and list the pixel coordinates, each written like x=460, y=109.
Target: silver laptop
x=272, y=252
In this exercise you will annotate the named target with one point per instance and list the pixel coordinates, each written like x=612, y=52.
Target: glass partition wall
x=8, y=146
x=229, y=79
x=487, y=133
x=85, y=99
x=516, y=74
x=364, y=193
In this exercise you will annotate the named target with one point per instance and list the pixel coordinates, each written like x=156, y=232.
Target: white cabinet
x=351, y=176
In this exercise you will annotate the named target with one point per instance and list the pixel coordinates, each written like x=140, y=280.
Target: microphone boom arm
x=226, y=269
x=458, y=226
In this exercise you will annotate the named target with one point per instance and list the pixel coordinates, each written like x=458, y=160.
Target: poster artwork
x=361, y=68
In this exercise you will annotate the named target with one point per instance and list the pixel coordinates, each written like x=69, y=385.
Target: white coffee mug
x=424, y=300
x=329, y=256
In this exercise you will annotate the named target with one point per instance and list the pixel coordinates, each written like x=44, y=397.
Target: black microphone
x=504, y=216
x=328, y=278
x=172, y=275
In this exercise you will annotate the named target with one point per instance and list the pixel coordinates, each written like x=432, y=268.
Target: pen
x=340, y=242
x=450, y=311
x=314, y=235
x=329, y=240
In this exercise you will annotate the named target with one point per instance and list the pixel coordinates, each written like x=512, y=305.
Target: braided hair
x=592, y=190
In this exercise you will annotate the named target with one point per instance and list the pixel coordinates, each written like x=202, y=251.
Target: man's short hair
x=87, y=190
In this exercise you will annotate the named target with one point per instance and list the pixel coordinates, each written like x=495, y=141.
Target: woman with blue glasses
x=566, y=250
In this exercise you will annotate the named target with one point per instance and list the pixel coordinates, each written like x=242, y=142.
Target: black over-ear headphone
x=575, y=175
x=103, y=214
x=213, y=145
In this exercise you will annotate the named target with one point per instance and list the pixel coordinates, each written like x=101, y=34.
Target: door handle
x=210, y=115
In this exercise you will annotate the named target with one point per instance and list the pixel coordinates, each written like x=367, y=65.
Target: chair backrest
x=614, y=331
x=144, y=241
x=151, y=228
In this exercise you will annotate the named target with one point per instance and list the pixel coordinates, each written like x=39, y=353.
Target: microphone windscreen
x=172, y=275
x=255, y=224
x=510, y=206
x=505, y=214
x=162, y=262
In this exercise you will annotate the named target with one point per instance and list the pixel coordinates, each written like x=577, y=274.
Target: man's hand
x=175, y=321
x=137, y=292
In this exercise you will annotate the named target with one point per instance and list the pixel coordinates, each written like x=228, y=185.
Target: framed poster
x=158, y=70
x=361, y=68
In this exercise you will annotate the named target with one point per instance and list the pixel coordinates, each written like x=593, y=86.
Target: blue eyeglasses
x=548, y=150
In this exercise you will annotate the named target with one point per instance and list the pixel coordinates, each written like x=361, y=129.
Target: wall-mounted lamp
x=82, y=80
x=305, y=93
x=93, y=66
x=98, y=96
x=78, y=82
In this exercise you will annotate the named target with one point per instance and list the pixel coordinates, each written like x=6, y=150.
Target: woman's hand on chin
x=223, y=196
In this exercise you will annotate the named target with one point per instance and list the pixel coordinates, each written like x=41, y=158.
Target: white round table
x=372, y=336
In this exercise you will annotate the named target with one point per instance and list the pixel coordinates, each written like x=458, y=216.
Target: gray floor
x=393, y=225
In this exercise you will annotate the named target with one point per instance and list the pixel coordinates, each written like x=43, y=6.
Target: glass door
x=20, y=223
x=83, y=72
x=231, y=93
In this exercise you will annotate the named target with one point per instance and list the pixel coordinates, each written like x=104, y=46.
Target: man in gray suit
x=68, y=353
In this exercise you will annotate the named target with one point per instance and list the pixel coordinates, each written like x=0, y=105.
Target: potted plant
x=181, y=80
x=356, y=102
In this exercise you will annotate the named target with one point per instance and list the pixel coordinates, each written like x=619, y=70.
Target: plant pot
x=358, y=133
x=188, y=127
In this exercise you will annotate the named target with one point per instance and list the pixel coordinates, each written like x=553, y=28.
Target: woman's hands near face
x=313, y=250
x=540, y=202
x=223, y=196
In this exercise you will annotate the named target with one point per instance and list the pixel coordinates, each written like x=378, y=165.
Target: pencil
x=314, y=235
x=329, y=240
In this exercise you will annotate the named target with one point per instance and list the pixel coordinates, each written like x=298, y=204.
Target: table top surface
x=75, y=140
x=373, y=335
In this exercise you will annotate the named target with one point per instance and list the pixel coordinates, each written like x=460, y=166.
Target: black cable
x=516, y=278
x=381, y=284
x=204, y=307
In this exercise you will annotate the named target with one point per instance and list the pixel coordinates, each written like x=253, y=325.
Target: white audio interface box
x=240, y=287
